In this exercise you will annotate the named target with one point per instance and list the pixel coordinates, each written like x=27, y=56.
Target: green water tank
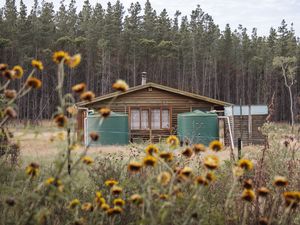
x=112, y=130
x=198, y=127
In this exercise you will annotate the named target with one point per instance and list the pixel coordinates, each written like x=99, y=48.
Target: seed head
x=120, y=85
x=188, y=152
x=79, y=88
x=33, y=82
x=94, y=136
x=10, y=93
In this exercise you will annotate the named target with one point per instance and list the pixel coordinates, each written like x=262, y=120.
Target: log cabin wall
x=152, y=98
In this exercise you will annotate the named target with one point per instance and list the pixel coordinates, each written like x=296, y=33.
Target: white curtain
x=155, y=118
x=135, y=119
x=165, y=117
x=145, y=119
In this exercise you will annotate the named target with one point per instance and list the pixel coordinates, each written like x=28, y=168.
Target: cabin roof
x=158, y=86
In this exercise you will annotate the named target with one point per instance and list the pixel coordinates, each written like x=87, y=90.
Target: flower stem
x=245, y=214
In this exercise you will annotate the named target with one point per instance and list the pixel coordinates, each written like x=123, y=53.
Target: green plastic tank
x=112, y=130
x=198, y=127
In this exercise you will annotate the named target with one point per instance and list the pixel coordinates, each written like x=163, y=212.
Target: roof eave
x=159, y=86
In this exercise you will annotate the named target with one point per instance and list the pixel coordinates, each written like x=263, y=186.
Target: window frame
x=150, y=108
x=138, y=116
x=149, y=122
x=161, y=117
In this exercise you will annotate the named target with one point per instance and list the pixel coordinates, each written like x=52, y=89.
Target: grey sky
x=250, y=13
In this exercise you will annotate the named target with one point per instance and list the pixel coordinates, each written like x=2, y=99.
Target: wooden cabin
x=152, y=109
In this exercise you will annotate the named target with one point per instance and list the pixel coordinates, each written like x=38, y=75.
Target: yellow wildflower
x=98, y=199
x=114, y=211
x=164, y=178
x=33, y=169
x=56, y=183
x=104, y=206
x=60, y=120
x=163, y=196
x=173, y=141
x=280, y=181
x=248, y=195
x=111, y=182
x=210, y=176
x=263, y=191
x=9, y=74
x=87, y=207
x=135, y=166
x=87, y=160
x=188, y=152
x=18, y=72
x=248, y=184
x=116, y=190
x=292, y=198
x=33, y=82
x=87, y=96
x=104, y=112
x=186, y=171
x=74, y=61
x=211, y=162
x=79, y=88
x=149, y=160
x=136, y=199
x=215, y=145
x=119, y=202
x=37, y=64
x=3, y=67
x=199, y=148
x=245, y=164
x=50, y=180
x=151, y=149
x=75, y=202
x=167, y=156
x=60, y=56
x=201, y=181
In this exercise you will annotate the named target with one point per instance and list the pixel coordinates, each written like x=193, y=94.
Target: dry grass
x=33, y=139
x=178, y=202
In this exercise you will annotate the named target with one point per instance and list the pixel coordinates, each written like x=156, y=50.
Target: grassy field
x=33, y=139
x=204, y=188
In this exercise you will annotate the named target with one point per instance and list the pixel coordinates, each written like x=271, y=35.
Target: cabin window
x=165, y=119
x=145, y=119
x=141, y=117
x=135, y=119
x=155, y=118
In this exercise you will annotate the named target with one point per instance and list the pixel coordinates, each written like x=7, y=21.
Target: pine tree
x=132, y=35
x=149, y=21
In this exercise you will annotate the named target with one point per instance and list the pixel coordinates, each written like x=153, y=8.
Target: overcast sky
x=261, y=14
